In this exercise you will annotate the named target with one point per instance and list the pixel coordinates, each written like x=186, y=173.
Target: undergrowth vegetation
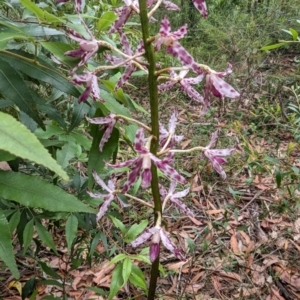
x=72, y=221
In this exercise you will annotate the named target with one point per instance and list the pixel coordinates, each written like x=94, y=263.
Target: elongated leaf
x=127, y=265
x=41, y=14
x=14, y=220
x=45, y=236
x=137, y=278
x=135, y=230
x=41, y=71
x=79, y=111
x=6, y=156
x=14, y=88
x=6, y=249
x=106, y=20
x=5, y=37
x=67, y=152
x=71, y=230
x=18, y=140
x=117, y=258
x=34, y=192
x=119, y=224
x=116, y=281
x=59, y=49
x=49, y=271
x=271, y=47
x=27, y=235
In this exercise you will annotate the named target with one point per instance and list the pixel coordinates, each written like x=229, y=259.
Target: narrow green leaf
x=5, y=37
x=118, y=258
x=14, y=220
x=34, y=192
x=14, y=88
x=294, y=34
x=71, y=230
x=271, y=47
x=135, y=230
x=119, y=224
x=49, y=271
x=59, y=49
x=279, y=177
x=79, y=111
x=67, y=152
x=127, y=265
x=19, y=141
x=6, y=249
x=137, y=278
x=106, y=20
x=41, y=14
x=116, y=281
x=94, y=243
x=39, y=70
x=45, y=236
x=27, y=235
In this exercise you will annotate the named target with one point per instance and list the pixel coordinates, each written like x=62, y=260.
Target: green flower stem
x=153, y=92
x=198, y=148
x=133, y=121
x=129, y=58
x=139, y=200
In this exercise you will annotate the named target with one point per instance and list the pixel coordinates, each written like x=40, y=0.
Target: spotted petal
x=141, y=239
x=170, y=245
x=201, y=7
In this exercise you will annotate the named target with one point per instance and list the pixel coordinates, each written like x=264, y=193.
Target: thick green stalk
x=153, y=94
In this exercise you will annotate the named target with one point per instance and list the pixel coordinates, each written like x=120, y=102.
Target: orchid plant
x=154, y=146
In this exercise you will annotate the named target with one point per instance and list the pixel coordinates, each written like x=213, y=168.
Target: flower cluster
x=144, y=161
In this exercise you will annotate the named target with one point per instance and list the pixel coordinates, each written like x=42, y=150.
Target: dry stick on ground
x=252, y=200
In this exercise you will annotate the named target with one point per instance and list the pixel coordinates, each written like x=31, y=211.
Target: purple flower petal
x=134, y=174
x=154, y=251
x=141, y=239
x=201, y=7
x=104, y=207
x=167, y=170
x=170, y=245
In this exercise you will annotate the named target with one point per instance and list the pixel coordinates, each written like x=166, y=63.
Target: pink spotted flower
x=108, y=198
x=174, y=197
x=168, y=138
x=185, y=84
x=86, y=50
x=158, y=234
x=216, y=156
x=217, y=87
x=129, y=65
x=141, y=165
x=108, y=122
x=90, y=81
x=201, y=7
x=170, y=40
